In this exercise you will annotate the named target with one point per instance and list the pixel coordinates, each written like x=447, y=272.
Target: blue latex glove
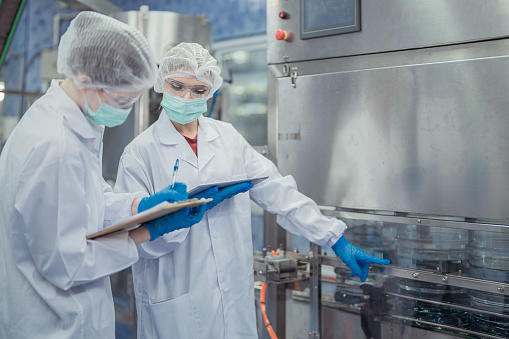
x=183, y=218
x=225, y=193
x=177, y=193
x=355, y=258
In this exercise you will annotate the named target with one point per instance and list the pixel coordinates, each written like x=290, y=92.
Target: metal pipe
x=464, y=308
x=478, y=225
x=447, y=327
x=8, y=91
x=315, y=294
x=12, y=31
x=450, y=279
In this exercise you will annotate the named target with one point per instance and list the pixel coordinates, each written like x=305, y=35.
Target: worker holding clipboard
x=198, y=282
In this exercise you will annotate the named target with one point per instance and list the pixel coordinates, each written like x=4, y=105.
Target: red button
x=283, y=15
x=281, y=35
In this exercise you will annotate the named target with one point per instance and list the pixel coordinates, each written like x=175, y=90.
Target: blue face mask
x=182, y=110
x=107, y=115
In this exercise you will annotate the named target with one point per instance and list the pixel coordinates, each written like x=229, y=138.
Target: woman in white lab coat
x=198, y=282
x=54, y=282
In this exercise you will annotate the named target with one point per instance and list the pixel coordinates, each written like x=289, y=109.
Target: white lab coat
x=198, y=282
x=54, y=283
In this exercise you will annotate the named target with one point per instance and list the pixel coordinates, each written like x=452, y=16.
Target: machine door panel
x=426, y=138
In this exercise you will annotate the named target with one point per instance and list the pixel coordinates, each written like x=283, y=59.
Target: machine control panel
x=322, y=18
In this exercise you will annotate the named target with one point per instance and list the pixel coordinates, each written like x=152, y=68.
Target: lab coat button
x=215, y=235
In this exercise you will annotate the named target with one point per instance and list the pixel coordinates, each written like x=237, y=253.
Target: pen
x=175, y=170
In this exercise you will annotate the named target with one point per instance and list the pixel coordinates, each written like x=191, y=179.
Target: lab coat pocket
x=175, y=317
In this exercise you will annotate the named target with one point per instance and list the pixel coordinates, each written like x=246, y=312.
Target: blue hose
x=213, y=104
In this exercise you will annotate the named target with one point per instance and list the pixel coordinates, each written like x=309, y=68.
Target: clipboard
x=152, y=213
x=223, y=184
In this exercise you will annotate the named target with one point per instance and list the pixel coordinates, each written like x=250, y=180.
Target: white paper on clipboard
x=155, y=212
x=223, y=184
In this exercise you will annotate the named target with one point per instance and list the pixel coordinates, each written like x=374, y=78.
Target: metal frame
x=443, y=326
x=273, y=237
x=459, y=307
x=416, y=220
x=315, y=294
x=451, y=279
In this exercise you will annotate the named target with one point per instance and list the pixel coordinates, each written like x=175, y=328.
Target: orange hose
x=265, y=319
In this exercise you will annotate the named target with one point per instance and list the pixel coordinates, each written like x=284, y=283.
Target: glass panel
x=245, y=98
x=244, y=105
x=467, y=305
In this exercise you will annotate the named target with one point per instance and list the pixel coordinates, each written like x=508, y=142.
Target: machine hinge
x=293, y=76
x=290, y=71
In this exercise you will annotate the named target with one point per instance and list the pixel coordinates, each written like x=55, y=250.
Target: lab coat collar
x=73, y=114
x=206, y=133
x=173, y=138
x=209, y=132
x=168, y=135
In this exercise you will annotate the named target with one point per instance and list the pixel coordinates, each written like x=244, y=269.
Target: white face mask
x=183, y=111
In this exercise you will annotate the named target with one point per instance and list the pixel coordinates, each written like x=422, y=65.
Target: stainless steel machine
x=393, y=116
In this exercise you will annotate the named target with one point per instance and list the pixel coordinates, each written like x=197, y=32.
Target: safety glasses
x=122, y=101
x=180, y=89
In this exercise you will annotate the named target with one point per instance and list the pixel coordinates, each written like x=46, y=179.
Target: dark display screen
x=329, y=17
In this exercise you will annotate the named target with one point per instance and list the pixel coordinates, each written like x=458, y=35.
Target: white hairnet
x=189, y=60
x=110, y=52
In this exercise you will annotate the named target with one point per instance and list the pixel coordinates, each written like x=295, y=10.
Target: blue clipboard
x=223, y=184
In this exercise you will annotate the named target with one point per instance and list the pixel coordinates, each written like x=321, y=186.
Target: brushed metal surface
x=390, y=25
x=427, y=138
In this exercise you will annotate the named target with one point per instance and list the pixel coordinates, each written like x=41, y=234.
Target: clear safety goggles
x=120, y=100
x=180, y=89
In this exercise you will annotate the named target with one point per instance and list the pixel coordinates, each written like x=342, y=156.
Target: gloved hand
x=183, y=218
x=177, y=193
x=224, y=193
x=355, y=258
